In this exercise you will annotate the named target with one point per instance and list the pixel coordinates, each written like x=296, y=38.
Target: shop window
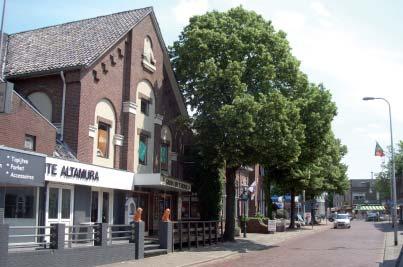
x=190, y=207
x=94, y=206
x=19, y=203
x=144, y=106
x=53, y=203
x=30, y=142
x=164, y=157
x=143, y=149
x=103, y=140
x=105, y=207
x=66, y=195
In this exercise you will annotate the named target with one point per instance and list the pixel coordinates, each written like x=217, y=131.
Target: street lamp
x=244, y=198
x=393, y=180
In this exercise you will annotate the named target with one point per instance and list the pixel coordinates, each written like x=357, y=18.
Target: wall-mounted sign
x=19, y=167
x=70, y=172
x=160, y=181
x=6, y=90
x=177, y=184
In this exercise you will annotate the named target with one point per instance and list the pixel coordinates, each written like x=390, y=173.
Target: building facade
x=108, y=103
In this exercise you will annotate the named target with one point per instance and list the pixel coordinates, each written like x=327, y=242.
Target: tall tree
x=223, y=61
x=279, y=133
x=317, y=111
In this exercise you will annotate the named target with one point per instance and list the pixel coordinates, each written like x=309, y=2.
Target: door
x=141, y=201
x=102, y=206
x=59, y=205
x=161, y=202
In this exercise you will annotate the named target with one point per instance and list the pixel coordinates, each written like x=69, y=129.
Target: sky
x=353, y=47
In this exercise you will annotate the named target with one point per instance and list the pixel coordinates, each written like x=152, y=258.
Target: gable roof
x=69, y=45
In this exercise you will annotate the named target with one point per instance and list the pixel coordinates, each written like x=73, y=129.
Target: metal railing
x=196, y=233
x=81, y=235
x=40, y=239
x=121, y=232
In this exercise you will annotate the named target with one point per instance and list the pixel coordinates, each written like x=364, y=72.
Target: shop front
x=157, y=193
x=83, y=194
x=21, y=188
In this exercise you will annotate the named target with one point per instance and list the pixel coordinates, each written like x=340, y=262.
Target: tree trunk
x=292, y=213
x=313, y=210
x=267, y=195
x=229, y=233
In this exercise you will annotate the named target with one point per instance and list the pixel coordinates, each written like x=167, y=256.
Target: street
x=362, y=245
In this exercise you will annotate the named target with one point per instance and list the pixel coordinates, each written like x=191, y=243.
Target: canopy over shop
x=369, y=208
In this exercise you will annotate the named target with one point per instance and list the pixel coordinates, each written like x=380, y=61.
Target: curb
x=210, y=260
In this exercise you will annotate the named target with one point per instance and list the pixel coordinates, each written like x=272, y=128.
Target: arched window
x=165, y=150
x=144, y=138
x=42, y=102
x=105, y=120
x=148, y=55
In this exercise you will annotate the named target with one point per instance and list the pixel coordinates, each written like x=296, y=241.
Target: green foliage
x=399, y=160
x=207, y=178
x=382, y=185
x=252, y=104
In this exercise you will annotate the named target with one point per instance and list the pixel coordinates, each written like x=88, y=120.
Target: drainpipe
x=1, y=42
x=63, y=105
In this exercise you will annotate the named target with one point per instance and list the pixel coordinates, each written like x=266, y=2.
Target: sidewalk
x=392, y=252
x=192, y=257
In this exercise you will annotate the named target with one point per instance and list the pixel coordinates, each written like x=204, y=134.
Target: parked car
x=342, y=221
x=332, y=216
x=372, y=216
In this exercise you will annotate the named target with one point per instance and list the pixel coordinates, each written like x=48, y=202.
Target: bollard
x=165, y=235
x=139, y=239
x=101, y=234
x=57, y=232
x=4, y=232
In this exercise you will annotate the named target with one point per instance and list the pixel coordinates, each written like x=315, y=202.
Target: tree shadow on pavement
x=241, y=246
x=386, y=226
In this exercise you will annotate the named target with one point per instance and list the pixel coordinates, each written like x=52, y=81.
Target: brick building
x=99, y=95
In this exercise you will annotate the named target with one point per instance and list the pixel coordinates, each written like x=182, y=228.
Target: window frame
x=33, y=138
x=164, y=166
x=108, y=135
x=145, y=137
x=146, y=106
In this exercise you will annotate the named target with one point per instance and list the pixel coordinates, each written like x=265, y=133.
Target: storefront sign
x=19, y=167
x=271, y=225
x=162, y=182
x=177, y=184
x=63, y=171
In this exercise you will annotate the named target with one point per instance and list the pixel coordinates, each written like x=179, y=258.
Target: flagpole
x=393, y=173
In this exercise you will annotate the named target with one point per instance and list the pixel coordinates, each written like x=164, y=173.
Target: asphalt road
x=362, y=245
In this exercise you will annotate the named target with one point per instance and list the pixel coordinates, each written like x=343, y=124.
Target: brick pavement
x=203, y=255
x=360, y=246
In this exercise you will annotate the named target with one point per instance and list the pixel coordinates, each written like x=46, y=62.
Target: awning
x=160, y=181
x=370, y=208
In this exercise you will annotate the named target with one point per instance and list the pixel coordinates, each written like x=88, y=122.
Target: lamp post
x=244, y=199
x=393, y=180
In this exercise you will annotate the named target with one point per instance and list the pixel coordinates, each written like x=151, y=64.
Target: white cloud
x=188, y=8
x=288, y=21
x=320, y=9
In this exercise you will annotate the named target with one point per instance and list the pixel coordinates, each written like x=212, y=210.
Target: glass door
x=59, y=205
x=102, y=206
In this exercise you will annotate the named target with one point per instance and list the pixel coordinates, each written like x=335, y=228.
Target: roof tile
x=68, y=45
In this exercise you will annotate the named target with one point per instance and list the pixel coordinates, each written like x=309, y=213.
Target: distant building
x=362, y=191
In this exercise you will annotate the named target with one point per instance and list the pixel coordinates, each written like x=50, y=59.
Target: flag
x=379, y=151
